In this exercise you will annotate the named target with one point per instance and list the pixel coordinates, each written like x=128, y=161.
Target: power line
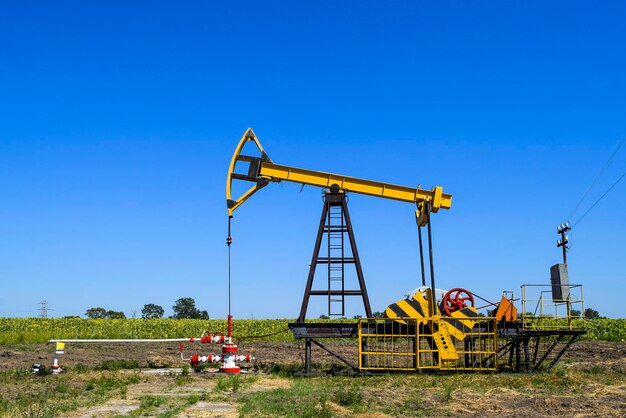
x=599, y=174
x=598, y=201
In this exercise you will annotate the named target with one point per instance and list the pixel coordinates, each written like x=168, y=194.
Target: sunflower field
x=41, y=330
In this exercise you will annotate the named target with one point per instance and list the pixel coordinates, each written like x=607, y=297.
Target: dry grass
x=591, y=383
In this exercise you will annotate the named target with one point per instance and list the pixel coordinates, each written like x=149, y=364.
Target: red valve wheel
x=457, y=299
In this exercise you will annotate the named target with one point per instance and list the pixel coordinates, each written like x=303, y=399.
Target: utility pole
x=559, y=276
x=562, y=230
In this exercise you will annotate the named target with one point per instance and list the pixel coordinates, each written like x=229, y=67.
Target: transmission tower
x=43, y=311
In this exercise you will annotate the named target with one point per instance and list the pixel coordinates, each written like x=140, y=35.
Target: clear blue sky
x=118, y=122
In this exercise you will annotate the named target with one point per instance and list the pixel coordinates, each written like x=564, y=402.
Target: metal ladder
x=335, y=230
x=336, y=224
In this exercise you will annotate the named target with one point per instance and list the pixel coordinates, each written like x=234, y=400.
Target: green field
x=39, y=330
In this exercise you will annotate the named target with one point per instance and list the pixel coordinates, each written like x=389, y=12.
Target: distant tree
x=322, y=316
x=357, y=317
x=185, y=308
x=151, y=310
x=96, y=313
x=591, y=314
x=574, y=313
x=378, y=315
x=115, y=315
x=71, y=317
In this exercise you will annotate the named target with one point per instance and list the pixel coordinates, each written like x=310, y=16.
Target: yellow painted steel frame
x=232, y=203
x=268, y=171
x=398, y=349
x=419, y=305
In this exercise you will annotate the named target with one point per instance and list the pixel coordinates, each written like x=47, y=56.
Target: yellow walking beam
x=275, y=172
x=262, y=170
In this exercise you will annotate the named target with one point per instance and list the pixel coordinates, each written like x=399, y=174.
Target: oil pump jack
x=429, y=328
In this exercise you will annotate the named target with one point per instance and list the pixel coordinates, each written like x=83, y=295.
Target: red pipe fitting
x=195, y=361
x=229, y=348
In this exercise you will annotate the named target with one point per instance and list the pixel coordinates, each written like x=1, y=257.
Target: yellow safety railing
x=541, y=311
x=424, y=343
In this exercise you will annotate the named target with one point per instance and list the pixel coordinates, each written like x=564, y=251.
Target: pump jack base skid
x=310, y=332
x=519, y=347
x=522, y=349
x=323, y=330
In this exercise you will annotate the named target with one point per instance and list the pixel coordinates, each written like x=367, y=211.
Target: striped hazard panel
x=462, y=323
x=415, y=307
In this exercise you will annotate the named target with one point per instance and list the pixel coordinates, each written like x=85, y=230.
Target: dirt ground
x=157, y=355
x=584, y=353
x=600, y=366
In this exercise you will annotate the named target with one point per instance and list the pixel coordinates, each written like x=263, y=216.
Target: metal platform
x=323, y=329
x=538, y=346
x=387, y=345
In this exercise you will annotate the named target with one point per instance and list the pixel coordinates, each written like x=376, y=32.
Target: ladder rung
x=334, y=260
x=336, y=292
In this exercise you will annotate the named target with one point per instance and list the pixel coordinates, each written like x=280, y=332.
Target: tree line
x=184, y=308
